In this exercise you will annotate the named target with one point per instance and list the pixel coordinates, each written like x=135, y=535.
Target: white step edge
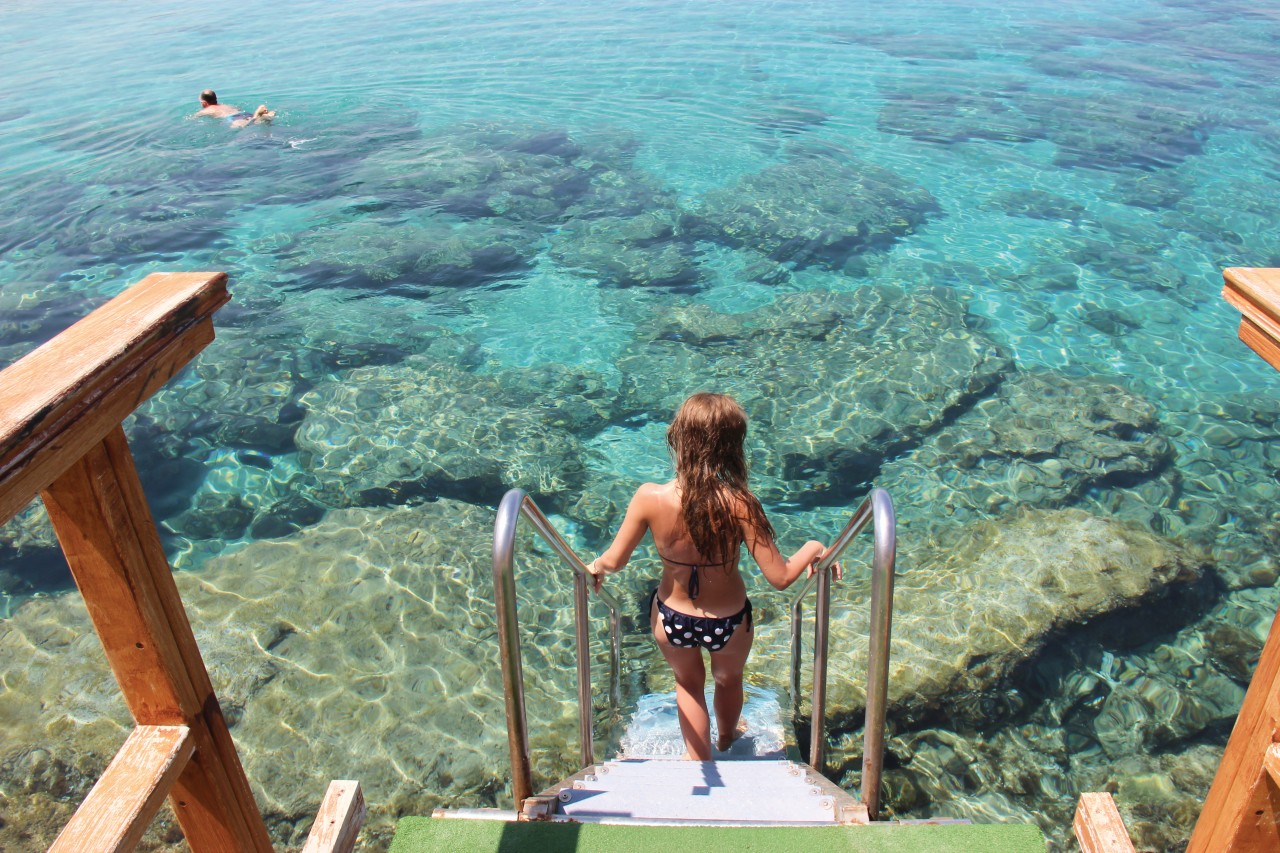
x=655, y=821
x=508, y=815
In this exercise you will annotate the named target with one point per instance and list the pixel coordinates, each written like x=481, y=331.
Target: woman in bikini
x=699, y=522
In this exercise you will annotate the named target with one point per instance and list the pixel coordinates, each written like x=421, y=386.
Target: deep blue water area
x=971, y=253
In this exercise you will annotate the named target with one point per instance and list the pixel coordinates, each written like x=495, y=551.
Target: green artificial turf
x=428, y=835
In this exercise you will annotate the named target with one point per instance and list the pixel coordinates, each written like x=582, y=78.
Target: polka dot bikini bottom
x=689, y=632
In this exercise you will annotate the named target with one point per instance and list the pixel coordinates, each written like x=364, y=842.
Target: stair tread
x=694, y=790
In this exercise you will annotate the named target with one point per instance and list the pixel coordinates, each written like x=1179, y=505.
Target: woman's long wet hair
x=706, y=440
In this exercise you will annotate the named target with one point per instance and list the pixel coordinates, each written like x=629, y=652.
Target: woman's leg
x=691, y=679
x=726, y=668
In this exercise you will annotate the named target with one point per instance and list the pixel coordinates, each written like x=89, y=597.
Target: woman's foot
x=724, y=741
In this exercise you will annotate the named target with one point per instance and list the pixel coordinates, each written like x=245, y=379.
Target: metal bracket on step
x=848, y=811
x=537, y=808
x=855, y=814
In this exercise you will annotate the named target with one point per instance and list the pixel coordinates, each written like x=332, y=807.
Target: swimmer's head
x=208, y=98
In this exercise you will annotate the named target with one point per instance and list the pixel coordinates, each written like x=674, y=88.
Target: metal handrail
x=516, y=503
x=878, y=509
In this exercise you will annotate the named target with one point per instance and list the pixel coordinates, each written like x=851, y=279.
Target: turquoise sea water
x=969, y=252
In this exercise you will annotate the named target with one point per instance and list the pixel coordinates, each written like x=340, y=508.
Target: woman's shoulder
x=656, y=491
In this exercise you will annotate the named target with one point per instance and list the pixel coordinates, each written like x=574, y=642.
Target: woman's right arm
x=634, y=526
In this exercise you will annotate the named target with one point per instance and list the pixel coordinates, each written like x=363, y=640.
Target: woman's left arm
x=634, y=526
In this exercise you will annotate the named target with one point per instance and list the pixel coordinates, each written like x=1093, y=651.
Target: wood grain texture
x=1271, y=763
x=1256, y=287
x=107, y=533
x=1260, y=341
x=1099, y=827
x=129, y=793
x=1255, y=293
x=1241, y=810
x=339, y=820
x=64, y=397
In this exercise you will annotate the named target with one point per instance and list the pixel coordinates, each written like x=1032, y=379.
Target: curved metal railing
x=516, y=503
x=878, y=510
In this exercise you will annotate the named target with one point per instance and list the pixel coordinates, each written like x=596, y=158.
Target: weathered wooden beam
x=1099, y=827
x=111, y=544
x=338, y=821
x=1240, y=814
x=127, y=796
x=1255, y=293
x=64, y=397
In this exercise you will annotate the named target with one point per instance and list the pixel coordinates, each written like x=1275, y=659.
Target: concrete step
x=745, y=792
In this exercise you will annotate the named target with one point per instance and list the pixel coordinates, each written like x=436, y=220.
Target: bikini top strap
x=694, y=585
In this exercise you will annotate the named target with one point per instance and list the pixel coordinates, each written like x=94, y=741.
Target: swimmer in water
x=209, y=106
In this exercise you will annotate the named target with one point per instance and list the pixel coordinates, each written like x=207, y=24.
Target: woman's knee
x=727, y=677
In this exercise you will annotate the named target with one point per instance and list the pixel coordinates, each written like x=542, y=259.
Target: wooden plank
x=1257, y=288
x=1240, y=812
x=127, y=796
x=1260, y=341
x=111, y=544
x=339, y=820
x=1256, y=294
x=63, y=398
x=1099, y=827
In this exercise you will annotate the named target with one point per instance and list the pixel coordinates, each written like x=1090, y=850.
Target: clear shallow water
x=453, y=193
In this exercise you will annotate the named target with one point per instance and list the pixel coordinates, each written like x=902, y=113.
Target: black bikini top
x=693, y=572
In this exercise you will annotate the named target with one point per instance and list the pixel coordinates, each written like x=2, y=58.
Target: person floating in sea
x=699, y=521
x=209, y=106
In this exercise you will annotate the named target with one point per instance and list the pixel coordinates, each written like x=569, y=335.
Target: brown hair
x=209, y=97
x=706, y=440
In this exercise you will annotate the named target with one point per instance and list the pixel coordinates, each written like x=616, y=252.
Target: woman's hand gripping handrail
x=878, y=509
x=516, y=503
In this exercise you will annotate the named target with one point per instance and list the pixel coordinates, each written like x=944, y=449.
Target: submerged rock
x=1164, y=696
x=967, y=613
x=30, y=558
x=937, y=112
x=863, y=375
x=1042, y=440
x=1118, y=129
x=789, y=119
x=639, y=251
x=387, y=434
x=822, y=207
x=1224, y=489
x=1037, y=204
x=409, y=258
x=364, y=648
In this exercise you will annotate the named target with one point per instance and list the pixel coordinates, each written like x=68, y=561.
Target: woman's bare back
x=719, y=590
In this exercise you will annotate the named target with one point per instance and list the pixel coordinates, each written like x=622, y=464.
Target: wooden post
x=60, y=413
x=111, y=544
x=61, y=409
x=1240, y=814
x=338, y=821
x=1099, y=827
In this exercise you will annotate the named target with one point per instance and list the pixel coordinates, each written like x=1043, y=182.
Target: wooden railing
x=61, y=410
x=1255, y=293
x=1242, y=812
